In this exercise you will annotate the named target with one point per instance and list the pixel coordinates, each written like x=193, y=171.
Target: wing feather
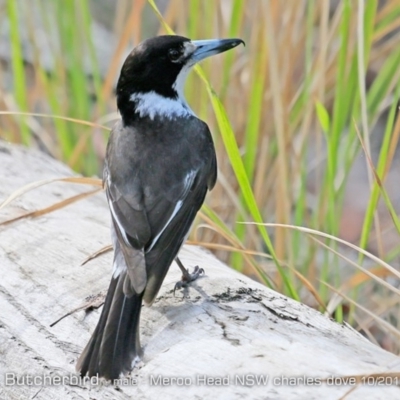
x=154, y=201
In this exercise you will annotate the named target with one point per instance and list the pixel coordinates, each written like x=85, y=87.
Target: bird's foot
x=188, y=277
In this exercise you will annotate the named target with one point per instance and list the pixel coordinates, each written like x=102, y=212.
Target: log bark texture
x=215, y=342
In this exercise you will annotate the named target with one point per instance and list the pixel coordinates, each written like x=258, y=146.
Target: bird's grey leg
x=186, y=276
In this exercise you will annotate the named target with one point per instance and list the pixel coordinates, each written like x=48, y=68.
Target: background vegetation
x=304, y=121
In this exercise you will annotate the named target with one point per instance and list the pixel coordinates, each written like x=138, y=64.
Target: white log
x=227, y=326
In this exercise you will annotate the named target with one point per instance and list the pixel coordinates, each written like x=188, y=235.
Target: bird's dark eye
x=173, y=54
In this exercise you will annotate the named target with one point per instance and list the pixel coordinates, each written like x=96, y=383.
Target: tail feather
x=115, y=342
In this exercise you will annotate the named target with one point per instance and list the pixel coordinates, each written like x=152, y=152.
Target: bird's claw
x=188, y=277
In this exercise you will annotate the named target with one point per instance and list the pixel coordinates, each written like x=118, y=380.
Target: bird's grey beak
x=207, y=48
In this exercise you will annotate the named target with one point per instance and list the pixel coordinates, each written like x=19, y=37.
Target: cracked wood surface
x=227, y=326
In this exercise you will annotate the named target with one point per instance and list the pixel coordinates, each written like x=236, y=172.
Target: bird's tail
x=115, y=343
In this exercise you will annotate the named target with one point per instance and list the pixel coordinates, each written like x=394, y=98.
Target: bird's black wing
x=154, y=199
x=165, y=249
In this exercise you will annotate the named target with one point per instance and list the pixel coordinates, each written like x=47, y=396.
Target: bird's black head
x=159, y=66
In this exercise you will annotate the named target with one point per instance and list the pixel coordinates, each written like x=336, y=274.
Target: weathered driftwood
x=213, y=344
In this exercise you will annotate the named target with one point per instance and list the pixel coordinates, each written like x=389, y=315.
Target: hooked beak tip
x=207, y=48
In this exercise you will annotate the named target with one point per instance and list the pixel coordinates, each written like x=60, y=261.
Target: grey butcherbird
x=160, y=162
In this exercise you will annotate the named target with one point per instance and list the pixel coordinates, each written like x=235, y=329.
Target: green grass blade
x=18, y=66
